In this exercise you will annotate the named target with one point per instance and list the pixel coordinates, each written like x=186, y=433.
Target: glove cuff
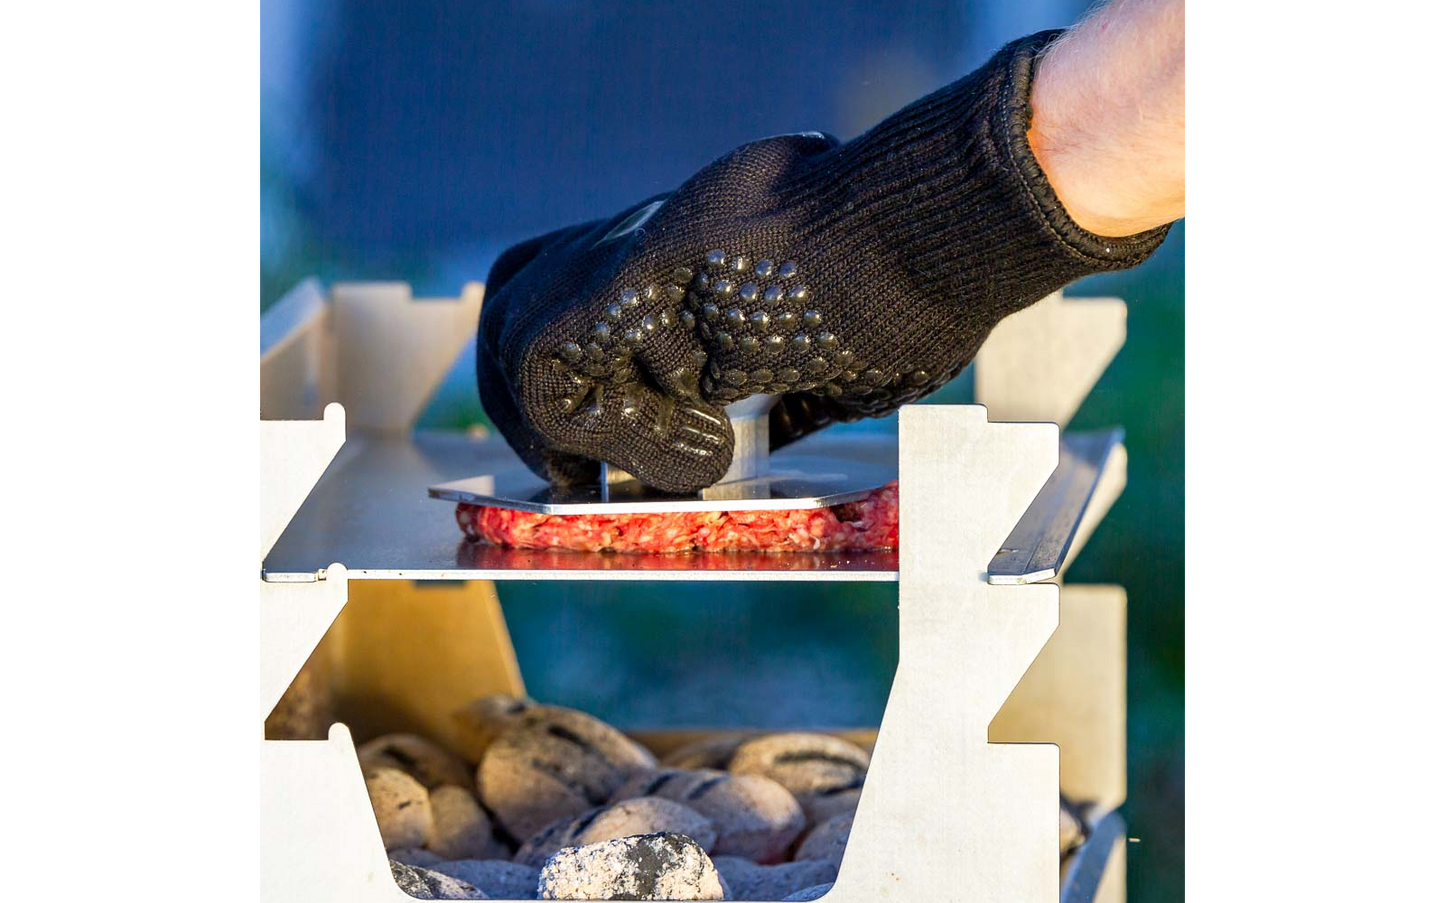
x=951, y=187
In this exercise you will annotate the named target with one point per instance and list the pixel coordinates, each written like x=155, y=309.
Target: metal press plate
x=793, y=481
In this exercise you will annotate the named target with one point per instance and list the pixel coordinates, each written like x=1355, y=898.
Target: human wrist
x=952, y=174
x=1108, y=118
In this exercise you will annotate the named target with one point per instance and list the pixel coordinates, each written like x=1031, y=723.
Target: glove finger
x=671, y=444
x=796, y=415
x=675, y=365
x=495, y=389
x=563, y=469
x=502, y=409
x=675, y=445
x=665, y=345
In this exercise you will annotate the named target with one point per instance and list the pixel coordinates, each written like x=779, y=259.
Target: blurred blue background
x=416, y=140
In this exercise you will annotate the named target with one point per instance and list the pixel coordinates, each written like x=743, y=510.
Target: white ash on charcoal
x=499, y=879
x=483, y=720
x=425, y=884
x=460, y=829
x=424, y=760
x=645, y=867
x=583, y=784
x=827, y=841
x=808, y=893
x=807, y=764
x=401, y=805
x=652, y=815
x=415, y=856
x=600, y=820
x=713, y=752
x=755, y=817
x=556, y=762
x=818, y=809
x=746, y=880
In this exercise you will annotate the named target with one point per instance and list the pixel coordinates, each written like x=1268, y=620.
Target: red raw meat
x=861, y=526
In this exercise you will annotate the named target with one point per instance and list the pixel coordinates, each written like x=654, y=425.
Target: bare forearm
x=1108, y=123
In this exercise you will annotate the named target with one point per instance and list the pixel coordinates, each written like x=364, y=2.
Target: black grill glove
x=849, y=278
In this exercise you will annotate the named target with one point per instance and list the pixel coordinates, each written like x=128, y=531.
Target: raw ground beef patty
x=861, y=526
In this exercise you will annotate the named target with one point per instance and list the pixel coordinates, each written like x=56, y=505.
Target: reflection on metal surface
x=688, y=565
x=1036, y=549
x=1086, y=868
